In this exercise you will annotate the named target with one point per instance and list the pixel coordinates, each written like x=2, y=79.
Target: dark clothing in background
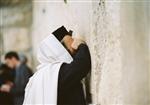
x=6, y=98
x=70, y=90
x=22, y=75
x=5, y=76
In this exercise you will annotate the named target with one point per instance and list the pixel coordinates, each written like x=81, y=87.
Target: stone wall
x=135, y=22
x=47, y=16
x=106, y=47
x=120, y=53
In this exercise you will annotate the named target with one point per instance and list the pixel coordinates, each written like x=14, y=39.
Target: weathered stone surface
x=135, y=41
x=106, y=85
x=16, y=39
x=19, y=16
x=8, y=3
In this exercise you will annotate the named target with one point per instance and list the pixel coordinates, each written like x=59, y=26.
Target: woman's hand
x=76, y=43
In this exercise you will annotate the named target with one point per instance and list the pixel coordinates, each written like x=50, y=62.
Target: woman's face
x=67, y=42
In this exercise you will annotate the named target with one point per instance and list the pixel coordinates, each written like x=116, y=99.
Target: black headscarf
x=61, y=32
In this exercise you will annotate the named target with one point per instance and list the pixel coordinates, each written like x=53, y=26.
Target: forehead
x=8, y=59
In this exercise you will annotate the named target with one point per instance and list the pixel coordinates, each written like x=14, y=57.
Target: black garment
x=6, y=98
x=61, y=32
x=5, y=76
x=22, y=75
x=70, y=90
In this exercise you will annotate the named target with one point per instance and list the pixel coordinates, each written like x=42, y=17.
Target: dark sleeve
x=88, y=88
x=25, y=77
x=73, y=73
x=19, y=87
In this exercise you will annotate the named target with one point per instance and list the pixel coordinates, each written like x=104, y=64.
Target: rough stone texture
x=106, y=53
x=18, y=16
x=135, y=44
x=120, y=52
x=17, y=37
x=4, y=3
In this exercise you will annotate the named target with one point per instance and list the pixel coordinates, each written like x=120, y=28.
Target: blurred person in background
x=22, y=74
x=6, y=82
x=23, y=58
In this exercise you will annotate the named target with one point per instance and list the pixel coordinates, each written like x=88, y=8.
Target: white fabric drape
x=42, y=86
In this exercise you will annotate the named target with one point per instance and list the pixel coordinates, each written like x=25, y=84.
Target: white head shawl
x=42, y=86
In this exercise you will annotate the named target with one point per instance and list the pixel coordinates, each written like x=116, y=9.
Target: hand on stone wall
x=77, y=41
